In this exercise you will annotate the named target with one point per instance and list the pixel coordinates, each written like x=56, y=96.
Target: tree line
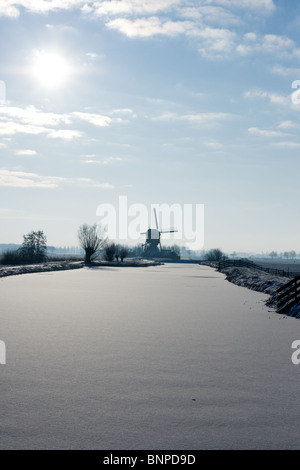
x=92, y=240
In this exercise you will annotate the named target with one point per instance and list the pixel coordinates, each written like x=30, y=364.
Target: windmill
x=150, y=247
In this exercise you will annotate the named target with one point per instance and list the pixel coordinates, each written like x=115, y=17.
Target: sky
x=161, y=101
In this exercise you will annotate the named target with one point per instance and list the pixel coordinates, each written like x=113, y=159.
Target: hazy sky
x=162, y=101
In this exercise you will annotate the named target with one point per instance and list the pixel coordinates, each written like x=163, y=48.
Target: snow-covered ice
x=167, y=357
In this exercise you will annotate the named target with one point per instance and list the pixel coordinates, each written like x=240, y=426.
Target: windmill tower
x=152, y=246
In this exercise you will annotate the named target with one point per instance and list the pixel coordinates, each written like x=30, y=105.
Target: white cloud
x=22, y=179
x=127, y=7
x=148, y=27
x=122, y=111
x=133, y=7
x=91, y=183
x=274, y=98
x=95, y=119
x=203, y=118
x=287, y=144
x=268, y=44
x=274, y=43
x=104, y=161
x=26, y=152
x=213, y=145
x=193, y=18
x=5, y=210
x=211, y=41
x=12, y=7
x=12, y=128
x=216, y=42
x=30, y=120
x=92, y=55
x=149, y=18
x=104, y=186
x=250, y=36
x=65, y=134
x=90, y=156
x=260, y=5
x=286, y=125
x=7, y=9
x=31, y=115
x=244, y=49
x=200, y=118
x=264, y=132
x=194, y=9
x=209, y=14
x=286, y=71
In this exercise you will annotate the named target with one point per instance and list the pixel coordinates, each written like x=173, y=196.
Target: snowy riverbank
x=67, y=265
x=259, y=281
x=40, y=267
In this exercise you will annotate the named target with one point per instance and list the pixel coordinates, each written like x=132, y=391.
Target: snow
x=40, y=267
x=67, y=265
x=164, y=357
x=262, y=282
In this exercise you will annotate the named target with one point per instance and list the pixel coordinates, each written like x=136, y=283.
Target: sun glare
x=51, y=69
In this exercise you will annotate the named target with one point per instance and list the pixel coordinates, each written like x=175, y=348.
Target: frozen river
x=168, y=357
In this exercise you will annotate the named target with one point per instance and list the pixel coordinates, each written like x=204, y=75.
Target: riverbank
x=68, y=265
x=260, y=281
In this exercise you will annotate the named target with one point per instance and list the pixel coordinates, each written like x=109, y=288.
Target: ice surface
x=168, y=357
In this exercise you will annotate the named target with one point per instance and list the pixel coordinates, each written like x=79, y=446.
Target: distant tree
x=172, y=252
x=91, y=239
x=11, y=257
x=176, y=250
x=123, y=253
x=273, y=254
x=215, y=255
x=286, y=254
x=117, y=252
x=292, y=254
x=109, y=251
x=136, y=251
x=34, y=247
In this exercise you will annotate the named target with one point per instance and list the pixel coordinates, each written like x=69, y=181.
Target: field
x=291, y=266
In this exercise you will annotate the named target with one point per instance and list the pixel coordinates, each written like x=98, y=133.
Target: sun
x=51, y=69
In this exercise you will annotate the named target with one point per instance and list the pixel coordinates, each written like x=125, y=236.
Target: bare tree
x=117, y=252
x=91, y=239
x=109, y=251
x=123, y=253
x=215, y=255
x=273, y=254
